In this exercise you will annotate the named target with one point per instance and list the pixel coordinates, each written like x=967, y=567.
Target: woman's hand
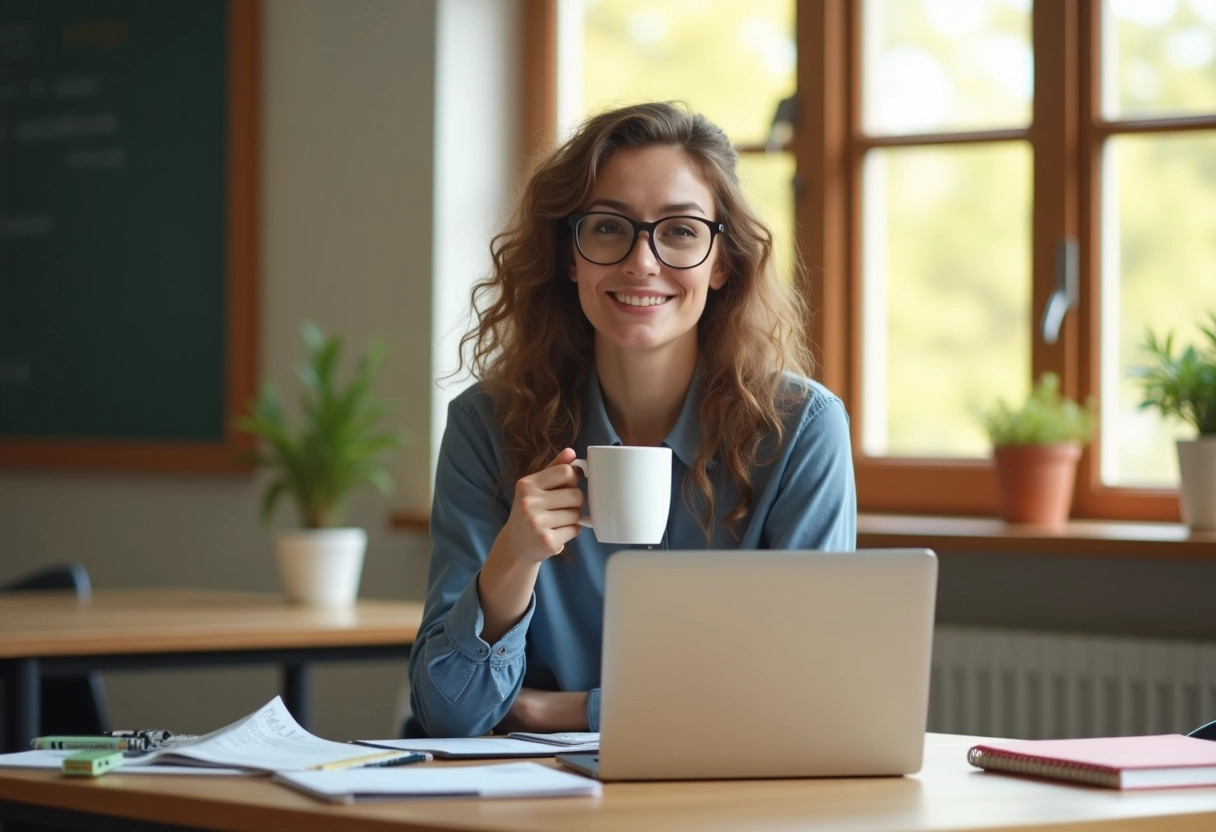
x=544, y=517
x=546, y=712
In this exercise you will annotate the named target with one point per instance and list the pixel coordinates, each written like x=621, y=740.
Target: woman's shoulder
x=809, y=396
x=474, y=402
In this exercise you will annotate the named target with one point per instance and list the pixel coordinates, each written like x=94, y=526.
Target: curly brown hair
x=533, y=348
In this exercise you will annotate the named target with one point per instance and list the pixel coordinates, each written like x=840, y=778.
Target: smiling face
x=640, y=304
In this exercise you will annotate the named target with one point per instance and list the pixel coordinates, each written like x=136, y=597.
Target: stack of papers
x=519, y=744
x=415, y=782
x=267, y=740
x=52, y=759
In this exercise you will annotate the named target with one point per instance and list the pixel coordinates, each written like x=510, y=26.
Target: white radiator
x=1033, y=685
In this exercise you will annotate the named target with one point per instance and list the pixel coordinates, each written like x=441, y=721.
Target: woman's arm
x=467, y=663
x=544, y=517
x=816, y=506
x=547, y=711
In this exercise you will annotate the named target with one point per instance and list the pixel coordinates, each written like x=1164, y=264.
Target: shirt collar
x=684, y=437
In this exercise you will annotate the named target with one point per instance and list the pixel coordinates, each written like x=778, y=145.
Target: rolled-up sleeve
x=816, y=505
x=461, y=685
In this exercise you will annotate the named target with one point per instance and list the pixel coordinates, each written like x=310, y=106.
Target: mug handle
x=581, y=464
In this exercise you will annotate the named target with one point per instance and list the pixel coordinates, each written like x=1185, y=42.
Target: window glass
x=946, y=295
x=1159, y=58
x=767, y=180
x=933, y=66
x=731, y=61
x=1159, y=208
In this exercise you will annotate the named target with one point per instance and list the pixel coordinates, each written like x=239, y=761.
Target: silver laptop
x=729, y=664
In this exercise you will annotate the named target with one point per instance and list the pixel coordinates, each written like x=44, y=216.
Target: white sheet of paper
x=564, y=738
x=268, y=739
x=419, y=782
x=480, y=747
x=53, y=759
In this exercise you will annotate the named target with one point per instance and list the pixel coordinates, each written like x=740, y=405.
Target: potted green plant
x=336, y=448
x=1035, y=448
x=1182, y=385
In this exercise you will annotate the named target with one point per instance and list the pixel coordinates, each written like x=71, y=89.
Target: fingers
x=557, y=473
x=546, y=510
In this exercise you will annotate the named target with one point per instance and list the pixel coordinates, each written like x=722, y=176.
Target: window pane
x=1159, y=58
x=767, y=182
x=935, y=66
x=731, y=61
x=946, y=297
x=1159, y=222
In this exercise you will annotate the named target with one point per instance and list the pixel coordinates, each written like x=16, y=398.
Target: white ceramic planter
x=321, y=566
x=1197, y=493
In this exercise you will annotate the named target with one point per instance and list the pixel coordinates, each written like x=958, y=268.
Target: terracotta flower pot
x=1035, y=481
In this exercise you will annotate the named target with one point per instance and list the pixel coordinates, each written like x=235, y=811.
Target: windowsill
x=1077, y=537
x=988, y=534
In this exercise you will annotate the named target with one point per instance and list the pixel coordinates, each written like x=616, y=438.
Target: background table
x=52, y=633
x=947, y=796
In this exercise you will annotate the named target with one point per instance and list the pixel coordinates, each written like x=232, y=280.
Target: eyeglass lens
x=680, y=242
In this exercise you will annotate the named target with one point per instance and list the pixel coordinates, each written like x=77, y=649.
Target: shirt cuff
x=593, y=709
x=465, y=621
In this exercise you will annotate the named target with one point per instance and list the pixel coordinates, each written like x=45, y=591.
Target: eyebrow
x=668, y=209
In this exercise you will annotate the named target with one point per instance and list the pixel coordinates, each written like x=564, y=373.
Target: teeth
x=634, y=300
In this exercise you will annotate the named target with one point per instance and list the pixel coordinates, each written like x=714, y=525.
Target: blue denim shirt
x=463, y=686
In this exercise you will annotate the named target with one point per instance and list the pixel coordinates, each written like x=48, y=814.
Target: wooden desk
x=51, y=633
x=947, y=795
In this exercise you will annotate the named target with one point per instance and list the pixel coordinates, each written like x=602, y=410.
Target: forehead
x=651, y=179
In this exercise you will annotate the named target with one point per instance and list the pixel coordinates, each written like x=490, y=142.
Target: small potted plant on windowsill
x=1182, y=385
x=336, y=449
x=1035, y=449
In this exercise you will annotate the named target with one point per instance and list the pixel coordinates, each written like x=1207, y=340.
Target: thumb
x=564, y=457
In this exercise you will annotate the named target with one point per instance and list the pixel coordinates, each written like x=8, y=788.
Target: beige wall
x=349, y=179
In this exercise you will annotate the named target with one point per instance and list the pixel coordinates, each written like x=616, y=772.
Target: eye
x=606, y=225
x=682, y=228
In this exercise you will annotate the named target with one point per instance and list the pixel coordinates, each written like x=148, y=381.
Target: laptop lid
x=723, y=664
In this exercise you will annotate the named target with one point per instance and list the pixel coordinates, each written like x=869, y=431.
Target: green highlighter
x=91, y=763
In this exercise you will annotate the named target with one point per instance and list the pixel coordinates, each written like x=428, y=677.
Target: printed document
x=268, y=740
x=493, y=781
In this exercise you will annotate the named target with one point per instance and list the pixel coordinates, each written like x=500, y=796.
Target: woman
x=633, y=301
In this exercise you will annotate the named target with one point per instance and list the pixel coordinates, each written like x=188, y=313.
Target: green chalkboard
x=117, y=297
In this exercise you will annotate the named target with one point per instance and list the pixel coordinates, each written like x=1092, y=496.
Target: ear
x=717, y=279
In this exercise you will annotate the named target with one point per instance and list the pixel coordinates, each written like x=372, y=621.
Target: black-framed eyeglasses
x=681, y=242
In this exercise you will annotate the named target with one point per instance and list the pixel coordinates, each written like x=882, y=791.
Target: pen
x=380, y=758
x=409, y=757
x=88, y=743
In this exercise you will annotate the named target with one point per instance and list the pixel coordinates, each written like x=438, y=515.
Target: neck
x=644, y=392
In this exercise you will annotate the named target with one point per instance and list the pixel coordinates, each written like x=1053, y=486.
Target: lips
x=640, y=300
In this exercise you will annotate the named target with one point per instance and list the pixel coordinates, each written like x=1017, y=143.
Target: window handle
x=1066, y=292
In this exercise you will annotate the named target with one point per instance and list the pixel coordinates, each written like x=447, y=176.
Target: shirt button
x=481, y=651
x=502, y=651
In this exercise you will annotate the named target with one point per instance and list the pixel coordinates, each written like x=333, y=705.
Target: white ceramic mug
x=629, y=491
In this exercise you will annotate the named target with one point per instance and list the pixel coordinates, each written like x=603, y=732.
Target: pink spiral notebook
x=1158, y=761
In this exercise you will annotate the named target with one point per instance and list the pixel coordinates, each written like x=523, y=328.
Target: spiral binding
x=1023, y=764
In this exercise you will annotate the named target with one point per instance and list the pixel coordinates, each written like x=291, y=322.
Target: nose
x=642, y=259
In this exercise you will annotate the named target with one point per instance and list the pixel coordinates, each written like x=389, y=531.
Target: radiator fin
x=1035, y=685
